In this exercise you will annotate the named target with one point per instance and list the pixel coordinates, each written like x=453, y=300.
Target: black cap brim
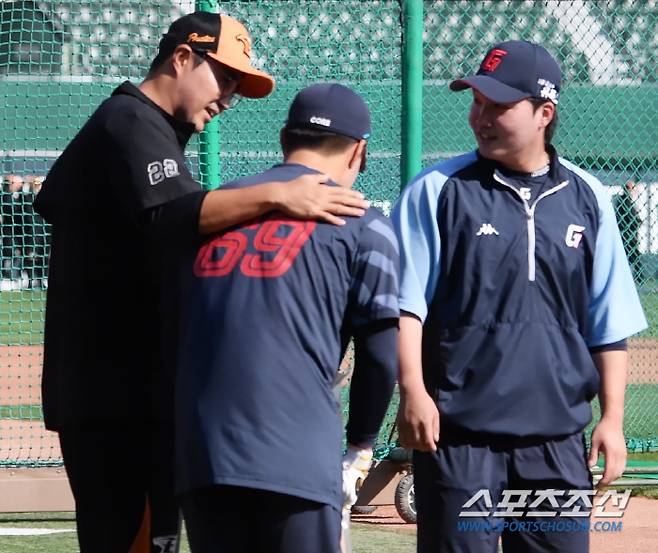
x=493, y=89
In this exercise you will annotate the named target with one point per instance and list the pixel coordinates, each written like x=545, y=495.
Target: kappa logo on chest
x=487, y=229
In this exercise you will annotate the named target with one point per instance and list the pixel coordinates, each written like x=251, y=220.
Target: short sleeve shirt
x=265, y=305
x=102, y=328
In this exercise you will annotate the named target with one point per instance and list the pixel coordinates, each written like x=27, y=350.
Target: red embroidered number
x=275, y=253
x=286, y=248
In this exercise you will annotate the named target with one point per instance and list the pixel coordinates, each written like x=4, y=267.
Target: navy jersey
x=514, y=281
x=265, y=307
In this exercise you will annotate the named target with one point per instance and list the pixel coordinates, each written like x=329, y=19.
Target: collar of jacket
x=556, y=171
x=183, y=130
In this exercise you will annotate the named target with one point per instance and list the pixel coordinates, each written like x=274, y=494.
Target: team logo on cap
x=321, y=121
x=492, y=61
x=246, y=44
x=547, y=90
x=196, y=37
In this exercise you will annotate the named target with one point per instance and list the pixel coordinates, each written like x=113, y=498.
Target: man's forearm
x=418, y=416
x=222, y=209
x=612, y=367
x=373, y=380
x=410, y=345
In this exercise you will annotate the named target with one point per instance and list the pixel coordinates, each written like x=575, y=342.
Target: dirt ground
x=643, y=361
x=20, y=370
x=20, y=375
x=639, y=532
x=22, y=440
x=20, y=384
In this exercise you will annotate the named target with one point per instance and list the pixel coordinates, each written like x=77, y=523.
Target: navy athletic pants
x=230, y=519
x=465, y=464
x=113, y=471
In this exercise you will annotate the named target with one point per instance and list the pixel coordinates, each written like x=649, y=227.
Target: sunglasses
x=229, y=78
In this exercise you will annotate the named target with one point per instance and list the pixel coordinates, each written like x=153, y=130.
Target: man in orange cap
x=121, y=199
x=225, y=43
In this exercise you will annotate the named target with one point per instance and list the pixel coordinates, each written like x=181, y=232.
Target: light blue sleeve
x=415, y=221
x=615, y=311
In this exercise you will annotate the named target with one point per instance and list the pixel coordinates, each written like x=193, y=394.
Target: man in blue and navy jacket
x=516, y=301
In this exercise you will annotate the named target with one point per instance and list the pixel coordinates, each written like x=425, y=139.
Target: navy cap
x=515, y=70
x=330, y=107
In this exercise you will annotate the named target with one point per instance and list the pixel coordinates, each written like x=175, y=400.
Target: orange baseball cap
x=225, y=40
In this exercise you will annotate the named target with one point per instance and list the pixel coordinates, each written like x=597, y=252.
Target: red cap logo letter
x=492, y=61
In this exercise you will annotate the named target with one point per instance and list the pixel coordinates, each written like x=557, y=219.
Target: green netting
x=60, y=59
x=355, y=42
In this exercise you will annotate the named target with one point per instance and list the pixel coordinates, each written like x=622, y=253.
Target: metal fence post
x=412, y=90
x=209, y=166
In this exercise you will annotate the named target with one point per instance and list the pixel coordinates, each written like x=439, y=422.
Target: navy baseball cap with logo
x=330, y=107
x=514, y=70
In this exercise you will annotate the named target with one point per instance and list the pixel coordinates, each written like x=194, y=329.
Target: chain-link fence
x=60, y=59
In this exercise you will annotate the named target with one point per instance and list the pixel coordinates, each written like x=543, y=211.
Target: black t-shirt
x=102, y=356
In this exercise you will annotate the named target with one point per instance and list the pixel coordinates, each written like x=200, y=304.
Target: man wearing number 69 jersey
x=269, y=307
x=119, y=197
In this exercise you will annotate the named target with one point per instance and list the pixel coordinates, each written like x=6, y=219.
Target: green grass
x=21, y=317
x=641, y=415
x=645, y=491
x=368, y=538
x=22, y=314
x=53, y=543
x=365, y=538
x=649, y=301
x=647, y=457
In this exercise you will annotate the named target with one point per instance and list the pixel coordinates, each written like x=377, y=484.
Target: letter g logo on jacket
x=574, y=236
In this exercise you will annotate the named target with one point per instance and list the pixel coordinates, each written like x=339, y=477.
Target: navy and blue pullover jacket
x=512, y=293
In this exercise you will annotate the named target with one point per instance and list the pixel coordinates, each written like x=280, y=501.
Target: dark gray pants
x=467, y=463
x=229, y=519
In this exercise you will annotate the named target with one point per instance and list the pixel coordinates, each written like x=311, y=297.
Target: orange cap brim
x=254, y=84
x=234, y=51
